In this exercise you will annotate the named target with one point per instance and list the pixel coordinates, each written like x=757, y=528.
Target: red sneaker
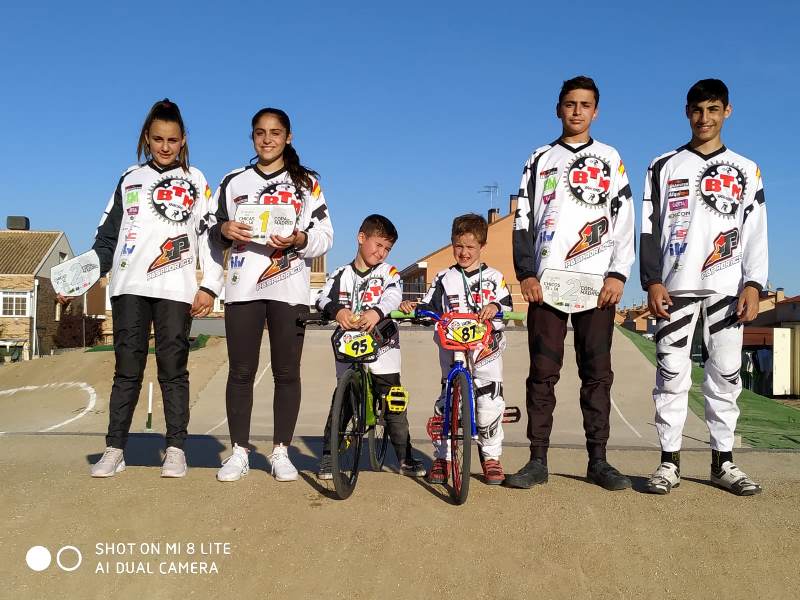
x=493, y=472
x=440, y=471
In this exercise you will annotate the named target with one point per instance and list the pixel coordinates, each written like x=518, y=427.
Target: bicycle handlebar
x=504, y=316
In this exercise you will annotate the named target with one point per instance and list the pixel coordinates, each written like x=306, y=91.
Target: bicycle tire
x=460, y=438
x=347, y=429
x=378, y=442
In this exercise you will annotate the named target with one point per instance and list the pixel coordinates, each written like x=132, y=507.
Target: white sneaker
x=666, y=477
x=282, y=467
x=174, y=463
x=235, y=466
x=111, y=463
x=732, y=478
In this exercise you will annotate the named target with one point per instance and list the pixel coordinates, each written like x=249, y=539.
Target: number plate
x=569, y=291
x=465, y=331
x=357, y=344
x=266, y=220
x=76, y=275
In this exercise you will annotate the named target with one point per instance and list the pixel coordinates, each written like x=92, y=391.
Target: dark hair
x=301, y=176
x=581, y=82
x=470, y=223
x=707, y=89
x=380, y=226
x=163, y=110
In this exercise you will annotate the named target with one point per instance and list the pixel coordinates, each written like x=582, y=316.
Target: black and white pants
x=722, y=334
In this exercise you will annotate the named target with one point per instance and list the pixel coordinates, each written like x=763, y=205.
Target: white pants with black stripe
x=722, y=334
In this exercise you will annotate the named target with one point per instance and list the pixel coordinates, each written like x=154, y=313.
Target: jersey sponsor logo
x=679, y=204
x=131, y=198
x=549, y=190
x=135, y=186
x=173, y=199
x=283, y=192
x=132, y=210
x=724, y=245
x=127, y=250
x=674, y=183
x=280, y=267
x=588, y=179
x=237, y=262
x=591, y=237
x=677, y=248
x=172, y=251
x=678, y=193
x=722, y=186
x=482, y=296
x=240, y=199
x=547, y=174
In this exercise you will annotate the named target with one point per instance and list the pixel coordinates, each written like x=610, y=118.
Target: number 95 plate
x=569, y=291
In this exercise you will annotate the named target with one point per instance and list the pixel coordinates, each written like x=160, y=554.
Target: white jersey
x=154, y=227
x=262, y=272
x=455, y=290
x=574, y=212
x=377, y=288
x=704, y=223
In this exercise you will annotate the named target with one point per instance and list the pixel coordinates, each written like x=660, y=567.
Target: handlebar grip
x=511, y=316
x=399, y=314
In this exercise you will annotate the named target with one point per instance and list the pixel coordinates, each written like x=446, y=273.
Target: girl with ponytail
x=149, y=240
x=268, y=281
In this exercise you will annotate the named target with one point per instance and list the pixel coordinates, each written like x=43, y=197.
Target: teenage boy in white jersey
x=703, y=250
x=574, y=213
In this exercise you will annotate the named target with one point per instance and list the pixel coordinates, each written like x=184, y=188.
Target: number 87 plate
x=569, y=291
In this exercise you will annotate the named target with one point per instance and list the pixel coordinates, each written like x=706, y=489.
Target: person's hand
x=236, y=231
x=611, y=293
x=64, y=300
x=297, y=239
x=407, y=306
x=747, y=308
x=346, y=319
x=658, y=300
x=488, y=312
x=203, y=304
x=368, y=320
x=531, y=290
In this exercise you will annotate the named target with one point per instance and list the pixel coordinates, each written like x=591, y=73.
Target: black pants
x=396, y=423
x=547, y=328
x=171, y=322
x=244, y=326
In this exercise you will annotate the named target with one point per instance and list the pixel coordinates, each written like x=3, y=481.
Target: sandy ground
x=395, y=537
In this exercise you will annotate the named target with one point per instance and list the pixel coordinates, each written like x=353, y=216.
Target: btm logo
x=171, y=251
x=724, y=245
x=591, y=236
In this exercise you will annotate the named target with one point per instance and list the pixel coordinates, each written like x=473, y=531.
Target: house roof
x=790, y=300
x=21, y=252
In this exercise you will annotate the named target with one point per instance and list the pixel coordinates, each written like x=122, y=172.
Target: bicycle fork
x=458, y=367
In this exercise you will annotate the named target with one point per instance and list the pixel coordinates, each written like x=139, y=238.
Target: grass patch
x=199, y=342
x=763, y=422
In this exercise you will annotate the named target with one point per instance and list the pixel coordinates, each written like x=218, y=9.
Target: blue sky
x=407, y=109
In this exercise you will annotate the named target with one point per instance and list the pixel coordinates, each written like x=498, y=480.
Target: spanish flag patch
x=758, y=173
x=392, y=271
x=621, y=168
x=316, y=190
x=208, y=192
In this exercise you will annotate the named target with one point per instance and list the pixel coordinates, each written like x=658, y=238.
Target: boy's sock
x=671, y=457
x=718, y=457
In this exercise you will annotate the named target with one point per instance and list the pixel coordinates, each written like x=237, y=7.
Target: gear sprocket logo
x=283, y=192
x=588, y=180
x=721, y=186
x=173, y=199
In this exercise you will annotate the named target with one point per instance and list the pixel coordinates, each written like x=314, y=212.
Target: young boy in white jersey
x=359, y=295
x=470, y=286
x=574, y=213
x=703, y=250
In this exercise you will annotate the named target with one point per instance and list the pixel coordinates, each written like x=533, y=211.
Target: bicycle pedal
x=434, y=428
x=512, y=414
x=397, y=399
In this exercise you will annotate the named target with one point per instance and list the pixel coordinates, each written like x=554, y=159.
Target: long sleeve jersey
x=456, y=290
x=574, y=212
x=704, y=223
x=262, y=272
x=153, y=228
x=377, y=288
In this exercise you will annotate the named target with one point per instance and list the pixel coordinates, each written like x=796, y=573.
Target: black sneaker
x=325, y=472
x=531, y=474
x=606, y=476
x=411, y=467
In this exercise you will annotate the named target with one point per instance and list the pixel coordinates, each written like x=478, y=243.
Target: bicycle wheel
x=460, y=437
x=347, y=427
x=378, y=440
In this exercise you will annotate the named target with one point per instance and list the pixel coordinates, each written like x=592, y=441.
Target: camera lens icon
x=68, y=558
